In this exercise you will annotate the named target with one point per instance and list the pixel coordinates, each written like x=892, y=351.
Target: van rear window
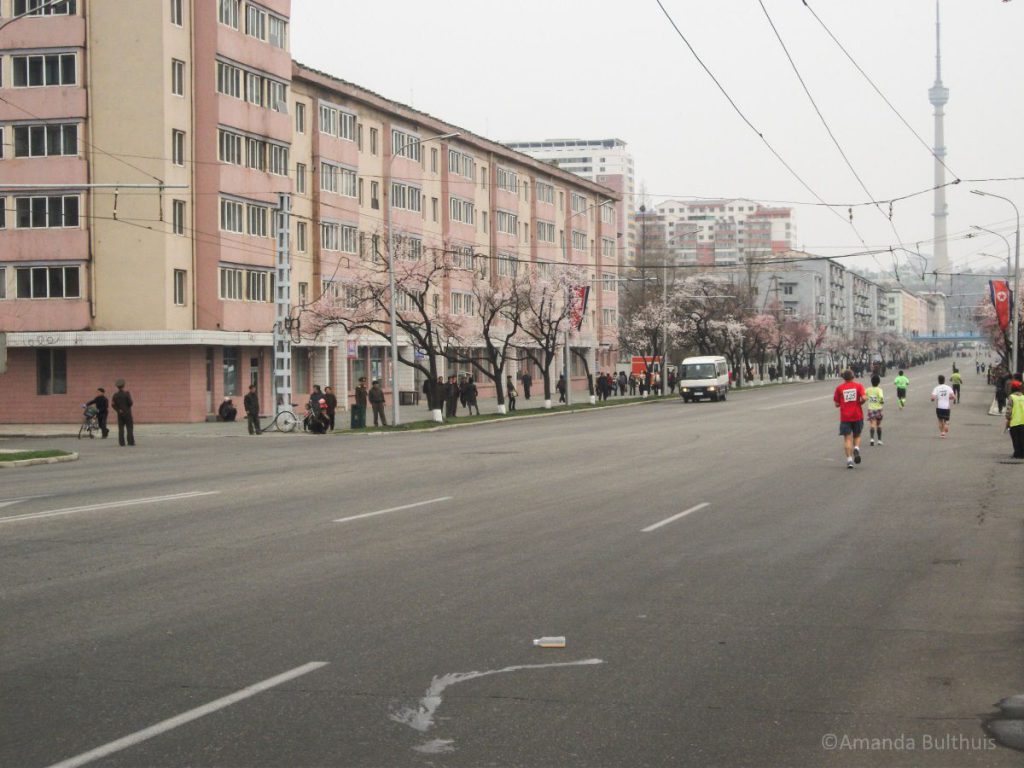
x=698, y=371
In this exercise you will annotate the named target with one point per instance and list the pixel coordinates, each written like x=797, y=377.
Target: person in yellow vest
x=1015, y=416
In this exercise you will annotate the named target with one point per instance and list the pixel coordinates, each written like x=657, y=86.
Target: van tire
x=722, y=396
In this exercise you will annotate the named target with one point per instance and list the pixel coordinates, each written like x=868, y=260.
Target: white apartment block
x=726, y=232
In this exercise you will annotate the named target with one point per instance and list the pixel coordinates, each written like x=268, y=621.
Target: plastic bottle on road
x=550, y=642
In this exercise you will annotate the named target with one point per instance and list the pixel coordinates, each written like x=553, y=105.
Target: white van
x=703, y=377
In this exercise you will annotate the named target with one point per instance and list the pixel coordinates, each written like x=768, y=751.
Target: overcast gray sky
x=538, y=69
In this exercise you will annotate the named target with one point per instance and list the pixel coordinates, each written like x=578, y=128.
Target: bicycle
x=90, y=422
x=284, y=420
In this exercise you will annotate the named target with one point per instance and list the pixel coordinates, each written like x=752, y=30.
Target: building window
x=508, y=180
x=374, y=194
x=177, y=77
x=277, y=32
x=256, y=154
x=300, y=118
x=179, y=287
x=231, y=216
x=231, y=283
x=300, y=178
x=508, y=265
x=303, y=293
x=406, y=197
x=337, y=122
x=338, y=237
x=300, y=236
x=52, y=211
x=178, y=217
x=42, y=8
x=579, y=240
x=545, y=231
x=228, y=13
x=579, y=203
x=278, y=160
x=258, y=286
x=373, y=141
x=44, y=69
x=405, y=145
x=545, y=193
x=461, y=210
x=340, y=181
x=255, y=22
x=229, y=80
x=3, y=283
x=51, y=372
x=259, y=220
x=47, y=283
x=506, y=222
x=277, y=93
x=462, y=164
x=433, y=207
x=45, y=140
x=178, y=147
x=607, y=248
x=608, y=317
x=177, y=17
x=229, y=147
x=608, y=214
x=433, y=159
x=360, y=196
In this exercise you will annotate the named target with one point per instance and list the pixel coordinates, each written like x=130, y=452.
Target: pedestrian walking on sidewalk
x=102, y=406
x=122, y=404
x=943, y=395
x=251, y=403
x=359, y=408
x=471, y=393
x=510, y=389
x=1015, y=416
x=332, y=406
x=527, y=383
x=849, y=398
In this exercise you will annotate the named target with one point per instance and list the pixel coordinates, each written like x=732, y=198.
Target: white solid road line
x=672, y=519
x=186, y=717
x=795, y=402
x=9, y=502
x=393, y=509
x=104, y=505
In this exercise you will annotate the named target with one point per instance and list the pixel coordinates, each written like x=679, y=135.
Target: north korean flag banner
x=578, y=295
x=1001, y=301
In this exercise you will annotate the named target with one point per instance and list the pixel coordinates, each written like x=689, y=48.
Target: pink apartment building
x=143, y=155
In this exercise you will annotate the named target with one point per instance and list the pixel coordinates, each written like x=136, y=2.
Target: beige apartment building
x=144, y=154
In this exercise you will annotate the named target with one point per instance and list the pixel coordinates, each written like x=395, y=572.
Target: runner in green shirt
x=956, y=380
x=874, y=400
x=901, y=383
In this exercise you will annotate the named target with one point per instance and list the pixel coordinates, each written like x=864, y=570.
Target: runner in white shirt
x=943, y=395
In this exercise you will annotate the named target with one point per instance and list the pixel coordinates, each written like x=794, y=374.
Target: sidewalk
x=408, y=414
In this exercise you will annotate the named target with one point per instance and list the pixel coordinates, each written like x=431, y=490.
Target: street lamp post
x=391, y=268
x=1005, y=240
x=664, y=319
x=1014, y=304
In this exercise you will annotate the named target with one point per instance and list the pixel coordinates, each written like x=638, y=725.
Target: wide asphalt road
x=798, y=613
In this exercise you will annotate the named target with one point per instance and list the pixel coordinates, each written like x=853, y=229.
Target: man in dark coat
x=251, y=404
x=332, y=406
x=623, y=381
x=122, y=403
x=359, y=409
x=376, y=397
x=102, y=406
x=451, y=396
x=527, y=383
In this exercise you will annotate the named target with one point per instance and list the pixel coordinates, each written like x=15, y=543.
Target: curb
x=32, y=462
x=42, y=435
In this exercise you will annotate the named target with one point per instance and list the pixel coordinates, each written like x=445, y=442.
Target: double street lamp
x=395, y=151
x=1014, y=304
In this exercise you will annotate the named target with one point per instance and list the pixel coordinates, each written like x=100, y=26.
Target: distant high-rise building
x=605, y=161
x=938, y=95
x=725, y=232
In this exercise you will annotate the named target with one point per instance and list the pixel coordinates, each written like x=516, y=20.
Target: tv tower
x=938, y=95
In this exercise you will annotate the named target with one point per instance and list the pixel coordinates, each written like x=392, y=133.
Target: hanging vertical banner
x=578, y=295
x=1001, y=301
x=353, y=350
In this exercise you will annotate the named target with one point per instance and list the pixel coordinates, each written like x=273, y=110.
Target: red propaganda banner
x=578, y=295
x=1001, y=301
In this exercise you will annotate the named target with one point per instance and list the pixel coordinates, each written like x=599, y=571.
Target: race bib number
x=849, y=395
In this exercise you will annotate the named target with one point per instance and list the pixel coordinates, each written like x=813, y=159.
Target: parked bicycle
x=284, y=420
x=90, y=421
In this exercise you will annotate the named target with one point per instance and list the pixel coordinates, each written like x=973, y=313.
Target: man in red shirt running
x=849, y=397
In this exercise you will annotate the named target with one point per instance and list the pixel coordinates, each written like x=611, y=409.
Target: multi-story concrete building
x=726, y=232
x=606, y=161
x=138, y=240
